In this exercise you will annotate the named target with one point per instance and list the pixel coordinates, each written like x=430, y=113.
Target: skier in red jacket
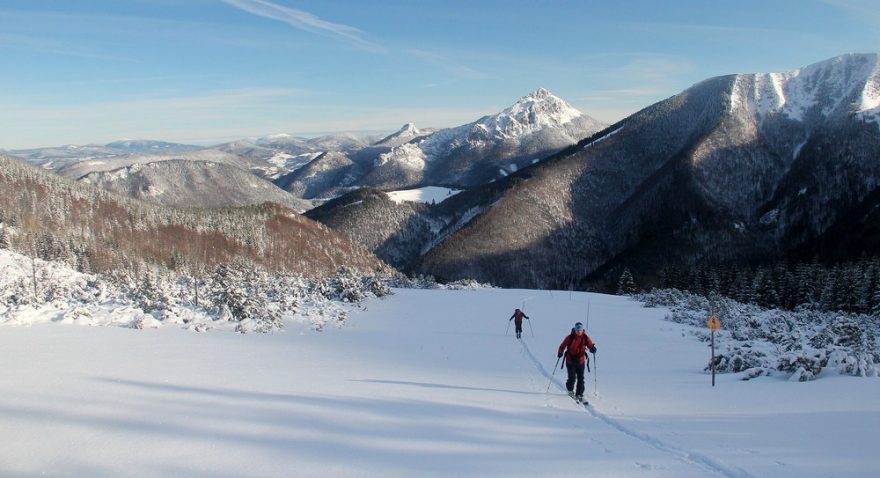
x=577, y=343
x=518, y=315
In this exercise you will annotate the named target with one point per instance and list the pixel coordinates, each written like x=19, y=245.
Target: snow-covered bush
x=420, y=281
x=401, y=281
x=348, y=286
x=466, y=284
x=236, y=296
x=757, y=341
x=739, y=359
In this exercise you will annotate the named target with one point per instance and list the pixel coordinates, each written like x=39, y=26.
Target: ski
x=582, y=401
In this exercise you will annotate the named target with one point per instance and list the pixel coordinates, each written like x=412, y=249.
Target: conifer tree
x=626, y=285
x=830, y=298
x=805, y=287
x=149, y=294
x=671, y=277
x=875, y=308
x=848, y=283
x=4, y=238
x=766, y=289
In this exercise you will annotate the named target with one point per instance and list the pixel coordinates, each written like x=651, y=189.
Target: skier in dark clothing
x=518, y=315
x=577, y=343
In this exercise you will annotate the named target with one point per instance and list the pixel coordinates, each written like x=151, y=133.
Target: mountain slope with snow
x=490, y=148
x=439, y=390
x=735, y=169
x=191, y=183
x=839, y=86
x=405, y=134
x=536, y=126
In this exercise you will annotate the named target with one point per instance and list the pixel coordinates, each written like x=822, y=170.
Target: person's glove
x=593, y=350
x=560, y=355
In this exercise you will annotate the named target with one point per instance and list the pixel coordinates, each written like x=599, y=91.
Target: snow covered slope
x=736, y=169
x=841, y=85
x=192, y=183
x=423, y=383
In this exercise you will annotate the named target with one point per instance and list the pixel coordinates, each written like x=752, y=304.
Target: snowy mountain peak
x=408, y=128
x=535, y=111
x=401, y=136
x=536, y=126
x=843, y=84
x=539, y=94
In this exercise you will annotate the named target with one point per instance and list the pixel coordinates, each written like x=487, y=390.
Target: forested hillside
x=52, y=217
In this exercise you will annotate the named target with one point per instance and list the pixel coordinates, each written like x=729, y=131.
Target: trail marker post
x=713, y=324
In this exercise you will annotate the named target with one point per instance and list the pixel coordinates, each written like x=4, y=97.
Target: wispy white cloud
x=306, y=21
x=45, y=45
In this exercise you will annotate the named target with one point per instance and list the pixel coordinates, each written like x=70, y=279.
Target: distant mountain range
x=536, y=126
x=488, y=149
x=739, y=168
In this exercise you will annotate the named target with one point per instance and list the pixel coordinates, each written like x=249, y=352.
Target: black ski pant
x=518, y=324
x=575, y=372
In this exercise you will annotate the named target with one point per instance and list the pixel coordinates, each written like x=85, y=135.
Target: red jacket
x=577, y=347
x=518, y=315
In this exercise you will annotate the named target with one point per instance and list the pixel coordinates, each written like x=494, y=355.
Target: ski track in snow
x=697, y=459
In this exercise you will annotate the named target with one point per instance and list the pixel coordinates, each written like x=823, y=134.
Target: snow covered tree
x=150, y=293
x=4, y=238
x=626, y=285
x=228, y=290
x=240, y=290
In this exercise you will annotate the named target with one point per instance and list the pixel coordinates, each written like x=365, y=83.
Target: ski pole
x=588, y=313
x=508, y=328
x=530, y=327
x=595, y=375
x=553, y=374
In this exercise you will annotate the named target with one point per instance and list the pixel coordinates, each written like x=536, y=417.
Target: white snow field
x=425, y=383
x=426, y=194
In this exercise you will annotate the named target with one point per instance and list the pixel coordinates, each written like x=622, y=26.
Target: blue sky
x=206, y=71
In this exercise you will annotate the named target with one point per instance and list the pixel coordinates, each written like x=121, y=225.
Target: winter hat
x=578, y=326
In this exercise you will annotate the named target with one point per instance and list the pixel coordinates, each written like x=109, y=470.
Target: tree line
x=852, y=287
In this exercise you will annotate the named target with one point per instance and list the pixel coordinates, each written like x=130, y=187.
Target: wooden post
x=713, y=358
x=714, y=324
